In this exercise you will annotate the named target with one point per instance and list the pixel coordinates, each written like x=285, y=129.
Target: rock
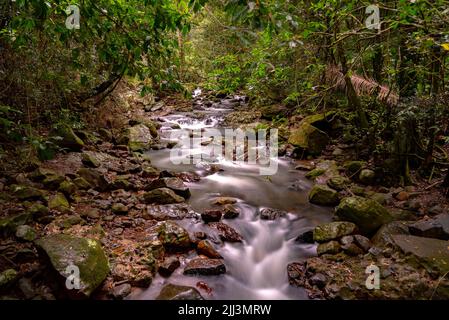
x=385, y=234
x=382, y=198
x=367, y=214
x=8, y=225
x=28, y=193
x=433, y=254
x=333, y=230
x=331, y=247
x=205, y=267
x=162, y=196
x=367, y=176
x=224, y=200
x=226, y=232
x=211, y=215
x=230, y=212
x=305, y=237
x=308, y=137
x=205, y=248
x=7, y=279
x=82, y=183
x=352, y=249
x=437, y=227
x=323, y=195
x=69, y=139
x=362, y=242
x=122, y=183
x=169, y=266
x=354, y=167
x=346, y=240
x=26, y=233
x=435, y=210
x=319, y=280
x=58, y=202
x=105, y=134
x=149, y=172
x=304, y=165
x=139, y=138
x=315, y=173
x=52, y=182
x=68, y=188
x=176, y=211
x=90, y=159
x=176, y=292
x=87, y=254
x=121, y=291
x=38, y=211
x=27, y=288
x=94, y=178
x=175, y=184
x=338, y=183
x=173, y=237
x=271, y=214
x=402, y=196
x=119, y=208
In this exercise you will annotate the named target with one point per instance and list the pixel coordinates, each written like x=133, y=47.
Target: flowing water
x=256, y=268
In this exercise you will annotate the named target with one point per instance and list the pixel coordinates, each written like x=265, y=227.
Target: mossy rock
x=354, y=167
x=69, y=139
x=22, y=193
x=177, y=292
x=26, y=233
x=7, y=279
x=94, y=177
x=331, y=247
x=367, y=214
x=333, y=231
x=139, y=138
x=173, y=237
x=86, y=254
x=367, y=176
x=68, y=188
x=58, y=202
x=309, y=138
x=323, y=195
x=162, y=196
x=315, y=173
x=338, y=183
x=82, y=183
x=9, y=225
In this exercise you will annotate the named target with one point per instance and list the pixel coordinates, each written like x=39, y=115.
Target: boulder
x=367, y=214
x=230, y=212
x=271, y=214
x=211, y=215
x=121, y=291
x=331, y=247
x=354, y=167
x=323, y=195
x=175, y=184
x=205, y=267
x=7, y=279
x=173, y=237
x=139, y=138
x=433, y=254
x=168, y=266
x=206, y=248
x=385, y=234
x=162, y=196
x=58, y=202
x=338, y=183
x=91, y=159
x=9, y=224
x=94, y=178
x=367, y=176
x=176, y=292
x=69, y=139
x=333, y=231
x=28, y=193
x=226, y=232
x=437, y=227
x=86, y=254
x=26, y=233
x=309, y=138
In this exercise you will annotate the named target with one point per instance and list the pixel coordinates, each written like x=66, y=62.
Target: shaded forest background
x=389, y=85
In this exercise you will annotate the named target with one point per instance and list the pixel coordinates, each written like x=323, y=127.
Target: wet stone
x=169, y=265
x=205, y=267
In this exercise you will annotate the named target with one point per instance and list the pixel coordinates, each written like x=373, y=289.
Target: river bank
x=139, y=227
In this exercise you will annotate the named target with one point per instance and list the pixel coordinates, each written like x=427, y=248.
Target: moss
x=315, y=173
x=87, y=254
x=323, y=195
